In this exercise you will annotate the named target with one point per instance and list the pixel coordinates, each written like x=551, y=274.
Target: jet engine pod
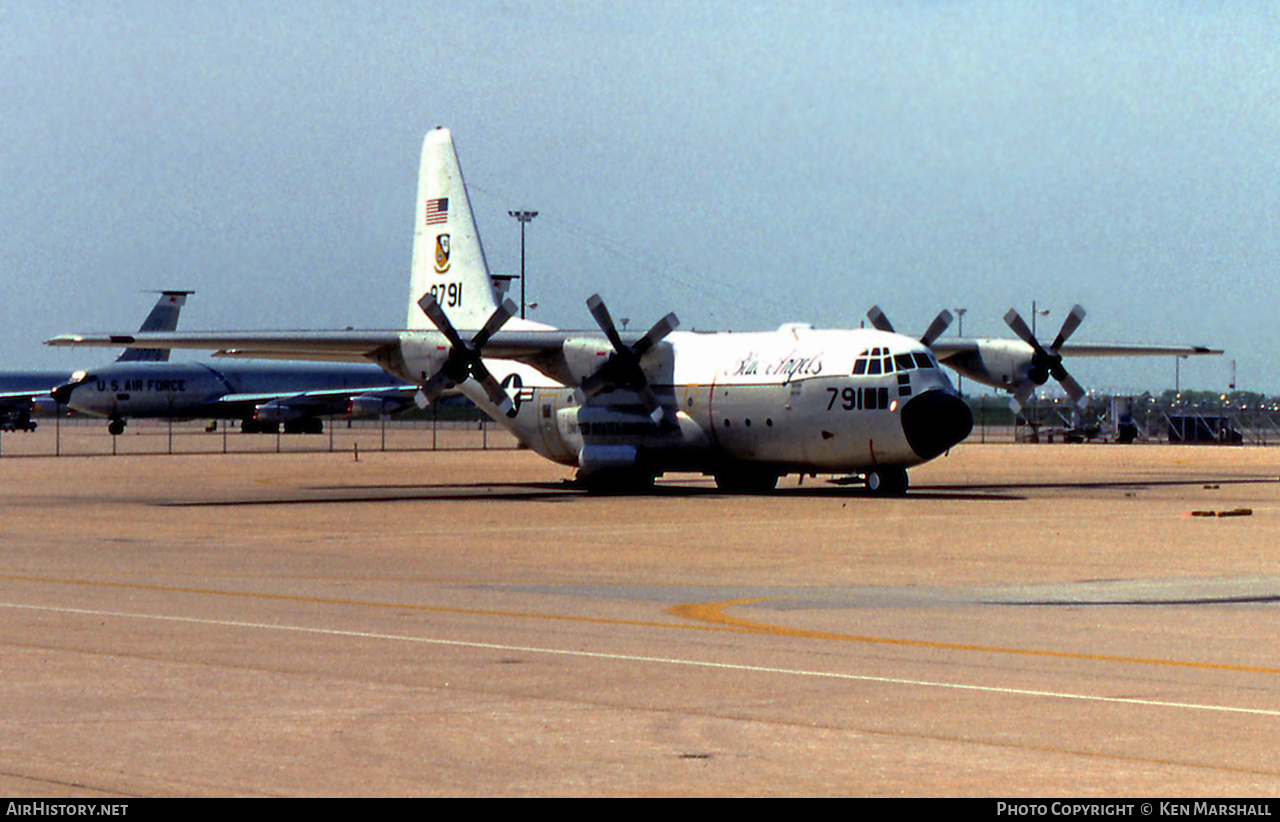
x=44, y=407
x=276, y=411
x=366, y=407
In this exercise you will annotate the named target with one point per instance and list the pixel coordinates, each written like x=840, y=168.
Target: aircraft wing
x=324, y=346
x=946, y=348
x=8, y=398
x=284, y=407
x=1115, y=350
x=541, y=349
x=317, y=397
x=316, y=401
x=1013, y=365
x=20, y=399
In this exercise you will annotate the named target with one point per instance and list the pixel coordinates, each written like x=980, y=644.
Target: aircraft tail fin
x=163, y=317
x=448, y=260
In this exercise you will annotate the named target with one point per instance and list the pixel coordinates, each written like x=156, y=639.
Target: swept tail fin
x=164, y=317
x=448, y=260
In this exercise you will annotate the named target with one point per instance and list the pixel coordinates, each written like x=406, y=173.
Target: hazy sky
x=743, y=164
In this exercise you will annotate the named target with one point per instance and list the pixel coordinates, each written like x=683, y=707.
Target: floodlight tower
x=525, y=217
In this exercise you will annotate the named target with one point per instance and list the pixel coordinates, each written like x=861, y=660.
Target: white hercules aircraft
x=746, y=408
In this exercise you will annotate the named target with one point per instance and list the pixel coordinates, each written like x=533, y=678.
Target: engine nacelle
x=997, y=363
x=417, y=357
x=585, y=355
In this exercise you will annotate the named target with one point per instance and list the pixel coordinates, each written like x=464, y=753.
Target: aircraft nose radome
x=934, y=421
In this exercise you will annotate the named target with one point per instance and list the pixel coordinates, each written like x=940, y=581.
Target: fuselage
x=787, y=401
x=194, y=390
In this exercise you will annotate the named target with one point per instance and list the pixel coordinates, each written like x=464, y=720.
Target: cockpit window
x=879, y=361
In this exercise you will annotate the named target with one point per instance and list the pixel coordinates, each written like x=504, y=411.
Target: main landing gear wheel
x=886, y=482
x=616, y=483
x=746, y=482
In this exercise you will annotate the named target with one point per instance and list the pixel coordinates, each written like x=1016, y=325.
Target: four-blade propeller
x=464, y=357
x=934, y=331
x=622, y=369
x=1046, y=363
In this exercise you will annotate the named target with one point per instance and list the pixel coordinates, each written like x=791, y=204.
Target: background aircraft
x=1020, y=366
x=24, y=395
x=262, y=396
x=142, y=383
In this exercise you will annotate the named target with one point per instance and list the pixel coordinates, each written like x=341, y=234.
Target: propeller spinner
x=622, y=369
x=464, y=359
x=1046, y=363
